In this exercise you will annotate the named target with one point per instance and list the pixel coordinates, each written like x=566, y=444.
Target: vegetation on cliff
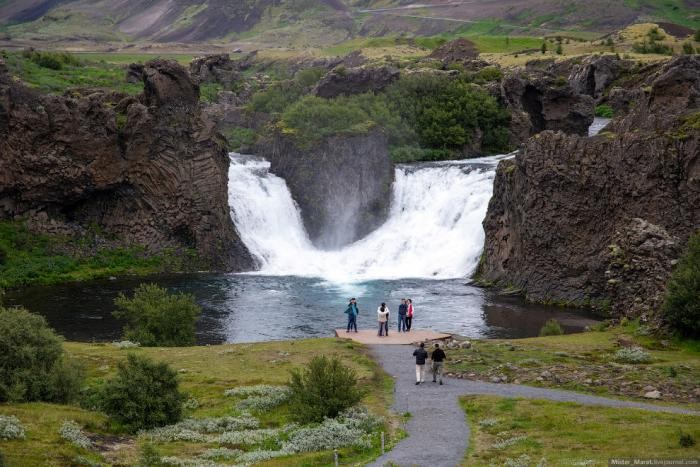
x=682, y=306
x=31, y=258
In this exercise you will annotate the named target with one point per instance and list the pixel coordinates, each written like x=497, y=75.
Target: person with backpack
x=421, y=355
x=352, y=311
x=438, y=357
x=383, y=319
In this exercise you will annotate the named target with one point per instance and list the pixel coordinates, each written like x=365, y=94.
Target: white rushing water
x=433, y=229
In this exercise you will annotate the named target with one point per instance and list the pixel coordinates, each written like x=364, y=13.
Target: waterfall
x=433, y=228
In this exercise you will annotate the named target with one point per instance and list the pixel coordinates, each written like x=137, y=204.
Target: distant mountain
x=319, y=22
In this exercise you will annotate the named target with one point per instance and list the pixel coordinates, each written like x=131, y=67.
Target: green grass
x=585, y=362
x=204, y=373
x=48, y=259
x=88, y=73
x=119, y=58
x=562, y=433
x=674, y=11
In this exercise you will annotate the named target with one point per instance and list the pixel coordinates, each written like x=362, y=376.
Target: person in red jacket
x=409, y=314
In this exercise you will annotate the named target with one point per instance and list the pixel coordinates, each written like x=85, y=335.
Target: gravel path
x=437, y=430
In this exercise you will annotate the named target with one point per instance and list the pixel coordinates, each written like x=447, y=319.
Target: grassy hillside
x=319, y=23
x=204, y=374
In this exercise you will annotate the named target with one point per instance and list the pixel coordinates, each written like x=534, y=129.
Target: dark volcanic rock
x=154, y=175
x=217, y=68
x=458, y=50
x=134, y=73
x=342, y=185
x=540, y=101
x=348, y=81
x=602, y=219
x=596, y=73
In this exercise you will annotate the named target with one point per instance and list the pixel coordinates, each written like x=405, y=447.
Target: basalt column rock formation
x=342, y=184
x=149, y=170
x=602, y=220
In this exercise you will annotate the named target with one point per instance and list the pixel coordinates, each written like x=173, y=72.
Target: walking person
x=421, y=355
x=409, y=314
x=383, y=319
x=352, y=311
x=438, y=357
x=403, y=309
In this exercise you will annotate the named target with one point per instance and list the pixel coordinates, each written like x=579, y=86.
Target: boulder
x=348, y=81
x=134, y=73
x=593, y=76
x=167, y=83
x=652, y=395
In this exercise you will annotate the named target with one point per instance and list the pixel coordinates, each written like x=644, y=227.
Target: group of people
x=437, y=357
x=405, y=316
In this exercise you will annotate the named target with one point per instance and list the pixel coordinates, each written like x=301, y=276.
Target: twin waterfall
x=433, y=230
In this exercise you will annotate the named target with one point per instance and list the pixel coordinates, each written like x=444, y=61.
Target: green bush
x=51, y=60
x=551, y=328
x=209, y=92
x=604, y=110
x=32, y=364
x=681, y=308
x=652, y=47
x=323, y=389
x=404, y=154
x=688, y=48
x=696, y=37
x=157, y=318
x=240, y=138
x=143, y=394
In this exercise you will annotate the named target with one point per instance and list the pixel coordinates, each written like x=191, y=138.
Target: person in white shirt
x=383, y=319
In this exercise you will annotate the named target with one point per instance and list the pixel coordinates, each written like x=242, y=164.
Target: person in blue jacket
x=403, y=309
x=352, y=311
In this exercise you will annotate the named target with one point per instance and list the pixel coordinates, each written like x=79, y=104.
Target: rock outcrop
x=541, y=101
x=149, y=170
x=217, y=68
x=348, y=81
x=342, y=184
x=593, y=76
x=602, y=220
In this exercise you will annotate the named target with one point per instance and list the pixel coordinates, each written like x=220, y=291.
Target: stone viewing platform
x=369, y=336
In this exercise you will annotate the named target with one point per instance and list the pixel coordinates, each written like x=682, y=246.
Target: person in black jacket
x=438, y=357
x=421, y=355
x=403, y=309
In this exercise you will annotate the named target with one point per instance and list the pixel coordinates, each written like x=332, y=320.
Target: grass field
x=204, y=374
x=518, y=432
x=586, y=362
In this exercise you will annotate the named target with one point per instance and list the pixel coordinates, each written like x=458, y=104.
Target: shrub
x=32, y=364
x=681, y=308
x=604, y=110
x=260, y=397
x=71, y=432
x=197, y=429
x=157, y=318
x=51, y=60
x=551, y=328
x=688, y=48
x=652, y=47
x=150, y=457
x=239, y=138
x=686, y=440
x=696, y=37
x=143, y=394
x=11, y=427
x=323, y=389
x=3, y=255
x=632, y=355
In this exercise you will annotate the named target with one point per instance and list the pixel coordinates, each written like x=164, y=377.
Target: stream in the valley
x=426, y=250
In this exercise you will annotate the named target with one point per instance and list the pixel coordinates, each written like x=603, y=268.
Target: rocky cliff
x=149, y=170
x=342, y=184
x=602, y=220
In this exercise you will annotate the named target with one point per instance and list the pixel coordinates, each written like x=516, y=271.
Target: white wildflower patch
x=351, y=428
x=260, y=397
x=220, y=454
x=199, y=430
x=503, y=443
x=488, y=422
x=254, y=457
x=191, y=404
x=248, y=437
x=126, y=345
x=11, y=427
x=71, y=432
x=172, y=460
x=632, y=355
